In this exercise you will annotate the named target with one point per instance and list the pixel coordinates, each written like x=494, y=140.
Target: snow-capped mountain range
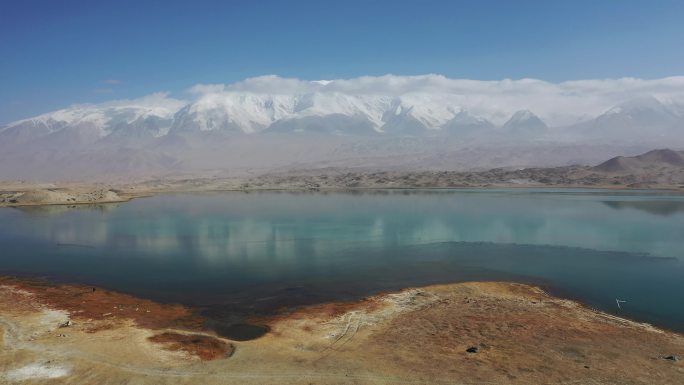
x=433, y=112
x=275, y=104
x=251, y=113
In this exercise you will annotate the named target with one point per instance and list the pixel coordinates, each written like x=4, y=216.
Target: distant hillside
x=652, y=160
x=662, y=169
x=654, y=169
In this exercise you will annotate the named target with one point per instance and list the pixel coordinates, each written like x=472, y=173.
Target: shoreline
x=243, y=316
x=516, y=329
x=124, y=197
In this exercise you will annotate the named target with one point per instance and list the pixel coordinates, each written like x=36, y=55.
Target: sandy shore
x=516, y=333
x=33, y=194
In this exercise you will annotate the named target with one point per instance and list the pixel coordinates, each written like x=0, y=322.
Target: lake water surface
x=233, y=253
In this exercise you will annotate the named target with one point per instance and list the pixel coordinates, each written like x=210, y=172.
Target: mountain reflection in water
x=242, y=253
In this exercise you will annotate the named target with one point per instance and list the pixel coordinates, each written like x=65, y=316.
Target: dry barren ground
x=32, y=194
x=517, y=334
x=71, y=193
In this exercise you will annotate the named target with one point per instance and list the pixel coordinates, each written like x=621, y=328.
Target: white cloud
x=112, y=81
x=200, y=89
x=155, y=100
x=273, y=84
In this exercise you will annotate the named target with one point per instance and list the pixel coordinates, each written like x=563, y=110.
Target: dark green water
x=232, y=254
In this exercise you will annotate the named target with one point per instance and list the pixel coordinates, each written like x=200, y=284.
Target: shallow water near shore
x=235, y=254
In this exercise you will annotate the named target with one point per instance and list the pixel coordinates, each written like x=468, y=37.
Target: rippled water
x=240, y=253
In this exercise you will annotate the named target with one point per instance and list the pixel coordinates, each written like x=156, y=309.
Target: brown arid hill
x=652, y=160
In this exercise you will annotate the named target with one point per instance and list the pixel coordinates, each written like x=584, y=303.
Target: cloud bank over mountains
x=557, y=103
x=270, y=121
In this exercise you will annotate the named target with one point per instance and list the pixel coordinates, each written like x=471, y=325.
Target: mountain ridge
x=413, y=114
x=273, y=123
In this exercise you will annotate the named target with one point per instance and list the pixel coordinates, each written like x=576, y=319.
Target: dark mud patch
x=241, y=331
x=205, y=347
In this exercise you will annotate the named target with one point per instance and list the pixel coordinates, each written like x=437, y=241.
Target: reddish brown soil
x=84, y=303
x=417, y=336
x=205, y=347
x=99, y=310
x=524, y=336
x=324, y=310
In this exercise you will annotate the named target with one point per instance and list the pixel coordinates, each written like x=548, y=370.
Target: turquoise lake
x=232, y=254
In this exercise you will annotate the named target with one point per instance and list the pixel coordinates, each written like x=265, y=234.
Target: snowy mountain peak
x=522, y=115
x=645, y=102
x=524, y=120
x=465, y=117
x=466, y=125
x=638, y=113
x=639, y=105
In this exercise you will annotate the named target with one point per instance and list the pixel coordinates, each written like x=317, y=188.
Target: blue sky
x=55, y=53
